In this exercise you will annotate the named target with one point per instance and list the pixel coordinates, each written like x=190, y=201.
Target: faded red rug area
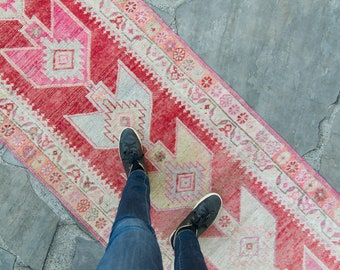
x=73, y=74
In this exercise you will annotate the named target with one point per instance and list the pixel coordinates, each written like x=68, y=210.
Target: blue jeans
x=133, y=243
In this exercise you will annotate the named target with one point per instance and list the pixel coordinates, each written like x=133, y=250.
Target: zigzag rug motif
x=75, y=73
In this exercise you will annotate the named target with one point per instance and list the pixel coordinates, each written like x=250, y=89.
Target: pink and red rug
x=75, y=73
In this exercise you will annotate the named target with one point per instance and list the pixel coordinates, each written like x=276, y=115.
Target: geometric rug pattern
x=74, y=74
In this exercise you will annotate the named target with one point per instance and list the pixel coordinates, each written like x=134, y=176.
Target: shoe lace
x=201, y=215
x=131, y=156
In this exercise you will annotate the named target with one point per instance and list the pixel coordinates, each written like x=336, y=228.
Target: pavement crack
x=52, y=241
x=314, y=156
x=174, y=24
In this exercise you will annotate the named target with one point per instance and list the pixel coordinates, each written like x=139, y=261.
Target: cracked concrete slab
x=9, y=158
x=325, y=129
x=3, y=149
x=325, y=158
x=88, y=254
x=330, y=161
x=42, y=192
x=29, y=225
x=7, y=260
x=51, y=201
x=66, y=244
x=169, y=19
x=166, y=10
x=21, y=267
x=168, y=6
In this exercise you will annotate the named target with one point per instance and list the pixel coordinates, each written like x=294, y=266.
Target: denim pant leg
x=133, y=244
x=188, y=253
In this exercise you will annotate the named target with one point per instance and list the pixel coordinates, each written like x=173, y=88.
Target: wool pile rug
x=73, y=74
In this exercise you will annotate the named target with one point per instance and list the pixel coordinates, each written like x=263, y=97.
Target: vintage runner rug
x=75, y=73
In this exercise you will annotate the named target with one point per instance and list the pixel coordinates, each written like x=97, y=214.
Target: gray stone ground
x=282, y=57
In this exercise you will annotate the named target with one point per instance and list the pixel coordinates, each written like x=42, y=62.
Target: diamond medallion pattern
x=185, y=182
x=249, y=246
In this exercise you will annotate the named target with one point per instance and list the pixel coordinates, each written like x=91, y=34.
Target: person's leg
x=132, y=243
x=184, y=240
x=188, y=253
x=135, y=201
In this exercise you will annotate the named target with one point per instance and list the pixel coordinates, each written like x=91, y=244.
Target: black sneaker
x=201, y=217
x=131, y=152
